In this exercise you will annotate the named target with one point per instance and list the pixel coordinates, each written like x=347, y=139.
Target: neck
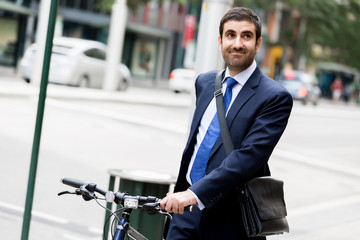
x=235, y=71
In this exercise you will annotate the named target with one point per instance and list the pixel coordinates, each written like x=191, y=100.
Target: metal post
x=108, y=206
x=115, y=44
x=41, y=26
x=208, y=56
x=39, y=120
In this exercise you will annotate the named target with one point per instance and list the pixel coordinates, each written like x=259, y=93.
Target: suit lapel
x=247, y=91
x=203, y=102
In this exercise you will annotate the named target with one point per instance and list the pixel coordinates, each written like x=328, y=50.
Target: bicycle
x=128, y=203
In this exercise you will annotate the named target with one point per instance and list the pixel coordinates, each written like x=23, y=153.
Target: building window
x=70, y=3
x=84, y=5
x=144, y=58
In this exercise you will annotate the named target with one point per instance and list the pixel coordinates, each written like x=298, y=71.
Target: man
x=257, y=116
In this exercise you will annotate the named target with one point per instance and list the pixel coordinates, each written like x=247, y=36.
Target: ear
x=220, y=45
x=257, y=45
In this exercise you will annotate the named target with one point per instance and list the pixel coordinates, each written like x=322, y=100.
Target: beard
x=241, y=62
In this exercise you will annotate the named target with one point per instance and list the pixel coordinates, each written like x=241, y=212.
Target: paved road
x=317, y=157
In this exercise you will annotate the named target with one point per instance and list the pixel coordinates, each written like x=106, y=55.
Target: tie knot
x=231, y=82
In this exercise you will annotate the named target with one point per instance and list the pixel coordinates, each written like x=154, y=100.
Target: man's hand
x=176, y=202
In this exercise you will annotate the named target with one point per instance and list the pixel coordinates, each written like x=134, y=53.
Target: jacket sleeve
x=267, y=121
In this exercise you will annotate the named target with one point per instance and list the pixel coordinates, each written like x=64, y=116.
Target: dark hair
x=241, y=14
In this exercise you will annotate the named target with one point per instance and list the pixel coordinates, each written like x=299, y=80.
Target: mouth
x=237, y=53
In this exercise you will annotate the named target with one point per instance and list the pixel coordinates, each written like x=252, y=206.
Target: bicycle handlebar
x=72, y=182
x=78, y=184
x=87, y=191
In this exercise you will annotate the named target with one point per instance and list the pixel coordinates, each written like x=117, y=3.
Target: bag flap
x=268, y=196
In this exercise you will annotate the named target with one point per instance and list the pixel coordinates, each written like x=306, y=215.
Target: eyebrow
x=247, y=32
x=229, y=31
x=243, y=32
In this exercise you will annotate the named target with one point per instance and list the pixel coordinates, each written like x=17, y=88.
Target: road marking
x=95, y=230
x=70, y=237
x=340, y=112
x=325, y=205
x=316, y=162
x=118, y=116
x=44, y=216
x=52, y=220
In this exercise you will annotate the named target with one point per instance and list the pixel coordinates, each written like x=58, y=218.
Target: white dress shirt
x=210, y=111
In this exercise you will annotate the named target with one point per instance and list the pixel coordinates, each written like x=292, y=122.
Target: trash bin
x=145, y=183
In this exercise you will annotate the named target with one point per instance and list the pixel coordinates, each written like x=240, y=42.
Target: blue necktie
x=212, y=134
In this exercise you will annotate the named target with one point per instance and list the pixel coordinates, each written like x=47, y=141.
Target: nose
x=238, y=42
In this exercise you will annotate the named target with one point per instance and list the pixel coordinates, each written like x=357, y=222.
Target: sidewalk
x=12, y=85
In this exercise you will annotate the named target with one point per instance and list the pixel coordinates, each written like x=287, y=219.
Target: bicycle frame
x=149, y=204
x=123, y=227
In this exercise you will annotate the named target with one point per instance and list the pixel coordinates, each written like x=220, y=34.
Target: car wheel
x=123, y=85
x=84, y=81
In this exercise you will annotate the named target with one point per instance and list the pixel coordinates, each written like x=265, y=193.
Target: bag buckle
x=218, y=92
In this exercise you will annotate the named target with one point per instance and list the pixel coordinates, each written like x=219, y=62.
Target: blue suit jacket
x=256, y=121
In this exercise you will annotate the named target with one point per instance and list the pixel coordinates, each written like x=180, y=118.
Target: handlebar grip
x=72, y=182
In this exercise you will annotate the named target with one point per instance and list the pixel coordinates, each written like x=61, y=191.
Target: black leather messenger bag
x=261, y=199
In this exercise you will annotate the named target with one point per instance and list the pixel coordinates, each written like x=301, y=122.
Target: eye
x=247, y=36
x=230, y=34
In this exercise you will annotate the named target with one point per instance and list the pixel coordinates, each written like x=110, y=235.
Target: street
x=87, y=132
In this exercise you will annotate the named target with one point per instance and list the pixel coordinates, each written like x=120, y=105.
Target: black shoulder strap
x=224, y=129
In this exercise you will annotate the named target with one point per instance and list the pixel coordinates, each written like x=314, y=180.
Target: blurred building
x=13, y=23
x=282, y=22
x=158, y=36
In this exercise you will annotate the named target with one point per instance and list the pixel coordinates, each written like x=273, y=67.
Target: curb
x=13, y=86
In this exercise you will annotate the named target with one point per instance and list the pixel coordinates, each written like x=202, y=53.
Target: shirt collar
x=243, y=76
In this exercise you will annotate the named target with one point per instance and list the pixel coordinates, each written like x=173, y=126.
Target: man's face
x=238, y=45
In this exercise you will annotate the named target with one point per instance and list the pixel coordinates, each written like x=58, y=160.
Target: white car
x=75, y=62
x=182, y=80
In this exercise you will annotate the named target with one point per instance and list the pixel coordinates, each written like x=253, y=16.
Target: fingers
x=176, y=202
x=170, y=204
x=164, y=202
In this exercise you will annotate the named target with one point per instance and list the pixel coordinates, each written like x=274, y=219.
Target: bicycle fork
x=123, y=225
x=123, y=228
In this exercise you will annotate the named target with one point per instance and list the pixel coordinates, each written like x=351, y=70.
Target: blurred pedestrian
x=347, y=92
x=257, y=116
x=337, y=89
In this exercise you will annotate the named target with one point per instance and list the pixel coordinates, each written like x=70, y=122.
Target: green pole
x=39, y=120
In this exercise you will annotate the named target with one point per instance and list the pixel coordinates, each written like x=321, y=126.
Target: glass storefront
x=8, y=40
x=144, y=58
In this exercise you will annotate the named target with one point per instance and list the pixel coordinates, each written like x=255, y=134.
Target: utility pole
x=42, y=24
x=208, y=56
x=52, y=12
x=115, y=44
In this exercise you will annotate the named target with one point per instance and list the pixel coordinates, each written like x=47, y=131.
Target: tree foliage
x=133, y=5
x=330, y=24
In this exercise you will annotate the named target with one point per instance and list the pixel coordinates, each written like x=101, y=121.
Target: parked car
x=182, y=80
x=301, y=85
x=75, y=62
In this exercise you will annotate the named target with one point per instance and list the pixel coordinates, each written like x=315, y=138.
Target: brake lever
x=65, y=192
x=166, y=214
x=150, y=208
x=85, y=193
x=153, y=208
